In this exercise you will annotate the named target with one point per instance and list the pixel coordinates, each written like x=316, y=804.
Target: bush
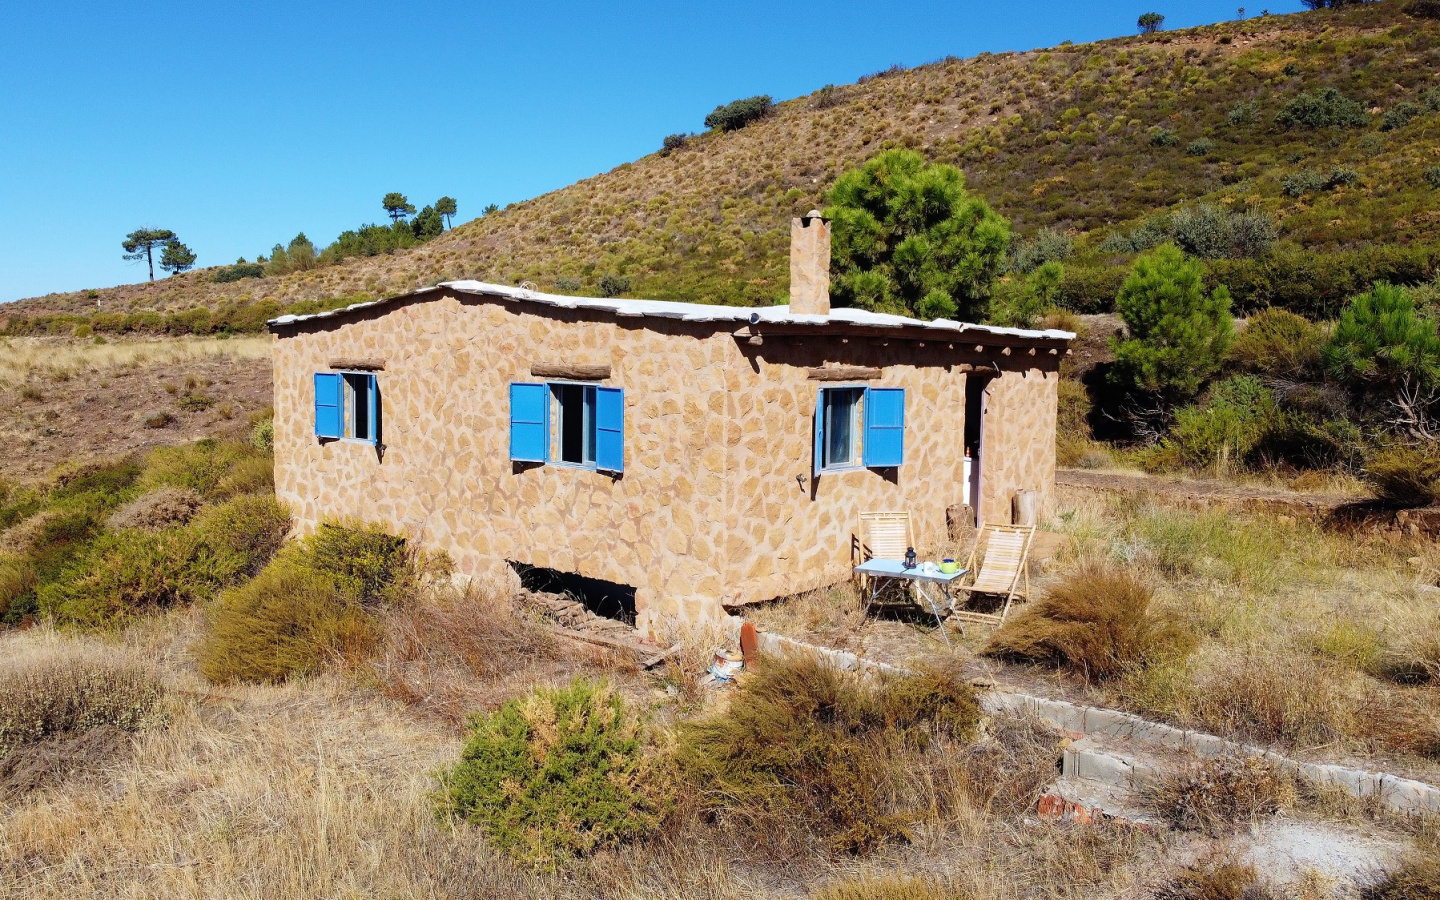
x=1235, y=419
x=1278, y=343
x=612, y=285
x=262, y=435
x=1384, y=348
x=1216, y=877
x=1160, y=136
x=555, y=775
x=1398, y=116
x=1223, y=792
x=1096, y=621
x=125, y=573
x=1326, y=108
x=239, y=272
x=1242, y=113
x=289, y=620
x=672, y=143
x=1020, y=302
x=1178, y=334
x=1408, y=476
x=739, y=113
x=158, y=419
x=63, y=696
x=1200, y=147
x=1432, y=175
x=313, y=603
x=807, y=751
x=246, y=531
x=1212, y=232
x=18, y=580
x=568, y=285
x=826, y=97
x=1046, y=246
x=200, y=467
x=1424, y=9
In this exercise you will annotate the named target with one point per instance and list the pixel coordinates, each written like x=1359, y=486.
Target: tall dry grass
x=24, y=358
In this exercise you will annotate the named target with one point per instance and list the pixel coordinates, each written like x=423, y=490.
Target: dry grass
x=1307, y=638
x=1219, y=794
x=1096, y=620
x=1219, y=876
x=33, y=359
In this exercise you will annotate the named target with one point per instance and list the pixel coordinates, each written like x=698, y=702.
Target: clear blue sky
x=237, y=125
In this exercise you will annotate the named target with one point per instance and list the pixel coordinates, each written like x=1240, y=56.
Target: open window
x=859, y=427
x=347, y=406
x=568, y=423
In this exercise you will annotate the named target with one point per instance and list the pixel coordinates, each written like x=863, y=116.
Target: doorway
x=976, y=390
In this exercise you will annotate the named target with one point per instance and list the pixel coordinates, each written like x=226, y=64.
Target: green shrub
x=1278, y=343
x=1160, y=136
x=1212, y=232
x=1409, y=476
x=62, y=696
x=568, y=285
x=1096, y=621
x=313, y=603
x=1048, y=245
x=246, y=531
x=1432, y=175
x=248, y=475
x=200, y=466
x=18, y=580
x=1384, y=348
x=555, y=775
x=1228, y=426
x=806, y=750
x=195, y=403
x=130, y=572
x=1089, y=289
x=262, y=435
x=1398, y=116
x=238, y=272
x=1200, y=147
x=672, y=143
x=1020, y=302
x=1431, y=98
x=739, y=113
x=612, y=285
x=104, y=484
x=371, y=564
x=288, y=620
x=1242, y=113
x=1325, y=108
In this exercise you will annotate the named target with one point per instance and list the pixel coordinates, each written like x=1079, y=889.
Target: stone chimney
x=810, y=265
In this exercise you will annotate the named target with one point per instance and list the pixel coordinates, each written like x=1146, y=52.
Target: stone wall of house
x=789, y=534
x=709, y=509
x=446, y=478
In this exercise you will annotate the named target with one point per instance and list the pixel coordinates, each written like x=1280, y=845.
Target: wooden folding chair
x=1002, y=570
x=884, y=535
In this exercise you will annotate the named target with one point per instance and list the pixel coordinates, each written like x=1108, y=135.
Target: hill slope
x=1085, y=138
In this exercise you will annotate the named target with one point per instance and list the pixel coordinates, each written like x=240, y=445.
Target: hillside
x=1091, y=139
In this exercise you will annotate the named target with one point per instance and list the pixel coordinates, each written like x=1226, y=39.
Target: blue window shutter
x=610, y=429
x=529, y=422
x=374, y=395
x=884, y=427
x=328, y=420
x=819, y=434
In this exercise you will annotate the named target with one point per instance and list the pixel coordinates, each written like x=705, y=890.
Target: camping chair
x=884, y=535
x=1002, y=571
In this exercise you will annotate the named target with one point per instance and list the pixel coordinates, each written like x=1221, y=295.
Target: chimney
x=810, y=265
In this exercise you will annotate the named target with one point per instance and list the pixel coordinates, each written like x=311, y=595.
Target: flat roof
x=702, y=312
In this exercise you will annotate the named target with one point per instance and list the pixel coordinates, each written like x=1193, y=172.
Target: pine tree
x=446, y=207
x=141, y=243
x=1178, y=333
x=177, y=258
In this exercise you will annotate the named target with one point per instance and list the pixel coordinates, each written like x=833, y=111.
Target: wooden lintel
x=842, y=373
x=363, y=365
x=578, y=371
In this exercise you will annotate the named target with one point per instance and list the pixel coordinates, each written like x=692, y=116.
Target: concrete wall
x=708, y=510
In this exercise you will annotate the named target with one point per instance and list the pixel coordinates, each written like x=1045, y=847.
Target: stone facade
x=710, y=510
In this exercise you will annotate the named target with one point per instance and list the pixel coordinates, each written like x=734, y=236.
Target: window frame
x=857, y=428
x=557, y=424
x=347, y=403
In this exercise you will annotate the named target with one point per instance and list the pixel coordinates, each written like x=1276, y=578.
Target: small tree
x=397, y=206
x=739, y=113
x=428, y=223
x=141, y=243
x=1178, y=333
x=908, y=238
x=446, y=207
x=1150, y=22
x=489, y=208
x=177, y=258
x=1381, y=346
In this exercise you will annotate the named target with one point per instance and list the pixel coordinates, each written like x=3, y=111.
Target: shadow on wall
x=603, y=598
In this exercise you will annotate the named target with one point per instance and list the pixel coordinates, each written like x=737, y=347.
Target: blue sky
x=238, y=126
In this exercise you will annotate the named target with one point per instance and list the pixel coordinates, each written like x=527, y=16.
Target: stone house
x=705, y=456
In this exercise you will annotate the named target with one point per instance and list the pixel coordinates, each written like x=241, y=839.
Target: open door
x=975, y=392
